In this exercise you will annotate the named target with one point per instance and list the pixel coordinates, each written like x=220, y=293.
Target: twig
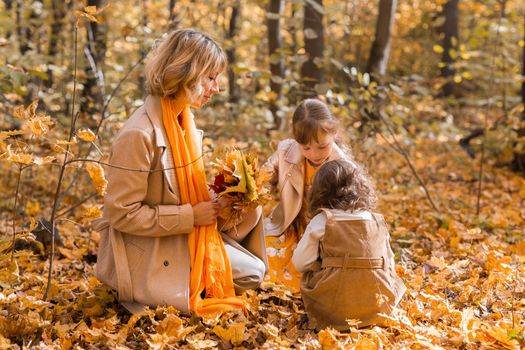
x=63, y=167
x=14, y=211
x=76, y=205
x=485, y=119
x=401, y=151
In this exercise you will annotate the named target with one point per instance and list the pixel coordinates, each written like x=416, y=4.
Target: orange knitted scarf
x=210, y=267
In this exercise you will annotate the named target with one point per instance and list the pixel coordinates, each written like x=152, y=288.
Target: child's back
x=356, y=278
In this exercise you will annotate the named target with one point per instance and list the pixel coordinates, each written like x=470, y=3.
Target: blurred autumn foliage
x=441, y=129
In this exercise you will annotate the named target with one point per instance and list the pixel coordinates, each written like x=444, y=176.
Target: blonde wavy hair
x=181, y=61
x=339, y=184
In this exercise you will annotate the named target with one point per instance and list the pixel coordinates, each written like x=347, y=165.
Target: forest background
x=431, y=98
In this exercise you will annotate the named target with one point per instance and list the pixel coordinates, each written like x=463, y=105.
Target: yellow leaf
x=39, y=125
x=92, y=213
x=454, y=242
x=438, y=49
x=174, y=328
x=457, y=78
x=25, y=113
x=8, y=273
x=5, y=134
x=233, y=334
x=365, y=343
x=93, y=311
x=87, y=15
x=96, y=173
x=60, y=145
x=33, y=208
x=500, y=335
x=467, y=75
x=92, y=10
x=33, y=223
x=86, y=135
x=21, y=158
x=328, y=340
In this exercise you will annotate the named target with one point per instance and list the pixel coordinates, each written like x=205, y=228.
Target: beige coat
x=143, y=251
x=356, y=266
x=287, y=167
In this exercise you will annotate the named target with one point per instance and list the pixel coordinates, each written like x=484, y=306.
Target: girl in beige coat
x=344, y=254
x=293, y=166
x=146, y=231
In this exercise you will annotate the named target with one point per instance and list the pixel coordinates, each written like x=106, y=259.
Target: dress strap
x=328, y=213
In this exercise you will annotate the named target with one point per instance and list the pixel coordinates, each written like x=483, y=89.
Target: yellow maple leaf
x=39, y=125
x=92, y=213
x=174, y=328
x=23, y=113
x=365, y=343
x=86, y=135
x=60, y=145
x=21, y=158
x=328, y=340
x=96, y=173
x=233, y=334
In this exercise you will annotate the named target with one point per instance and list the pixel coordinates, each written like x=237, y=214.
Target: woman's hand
x=205, y=213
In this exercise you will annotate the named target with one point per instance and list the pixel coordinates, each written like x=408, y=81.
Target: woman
x=159, y=240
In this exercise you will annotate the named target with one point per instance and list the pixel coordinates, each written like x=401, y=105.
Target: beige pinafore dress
x=355, y=278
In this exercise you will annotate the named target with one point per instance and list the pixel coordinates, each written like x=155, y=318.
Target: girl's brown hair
x=181, y=61
x=340, y=184
x=310, y=117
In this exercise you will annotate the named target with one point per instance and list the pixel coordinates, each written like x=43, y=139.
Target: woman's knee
x=252, y=274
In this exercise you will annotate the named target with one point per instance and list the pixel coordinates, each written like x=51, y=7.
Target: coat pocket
x=135, y=255
x=169, y=217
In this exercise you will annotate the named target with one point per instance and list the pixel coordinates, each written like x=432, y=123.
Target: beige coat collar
x=154, y=111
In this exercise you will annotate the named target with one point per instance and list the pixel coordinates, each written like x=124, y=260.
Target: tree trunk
x=173, y=20
x=22, y=31
x=95, y=50
x=311, y=72
x=275, y=12
x=380, y=51
x=8, y=9
x=233, y=89
x=143, y=49
x=518, y=163
x=450, y=33
x=58, y=12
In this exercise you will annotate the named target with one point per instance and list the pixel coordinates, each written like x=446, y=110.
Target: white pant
x=247, y=269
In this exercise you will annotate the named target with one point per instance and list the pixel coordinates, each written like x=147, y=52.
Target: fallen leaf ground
x=464, y=273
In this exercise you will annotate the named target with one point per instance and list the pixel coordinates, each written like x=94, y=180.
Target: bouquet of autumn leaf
x=238, y=179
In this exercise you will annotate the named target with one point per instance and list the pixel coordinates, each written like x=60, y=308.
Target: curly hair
x=340, y=184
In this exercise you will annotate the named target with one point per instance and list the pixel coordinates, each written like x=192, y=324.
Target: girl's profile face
x=317, y=152
x=208, y=87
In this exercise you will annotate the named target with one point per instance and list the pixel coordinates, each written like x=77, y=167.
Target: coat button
x=166, y=263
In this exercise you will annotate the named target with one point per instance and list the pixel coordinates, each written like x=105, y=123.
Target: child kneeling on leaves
x=345, y=257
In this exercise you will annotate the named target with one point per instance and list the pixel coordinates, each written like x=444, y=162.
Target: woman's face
x=317, y=152
x=209, y=86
